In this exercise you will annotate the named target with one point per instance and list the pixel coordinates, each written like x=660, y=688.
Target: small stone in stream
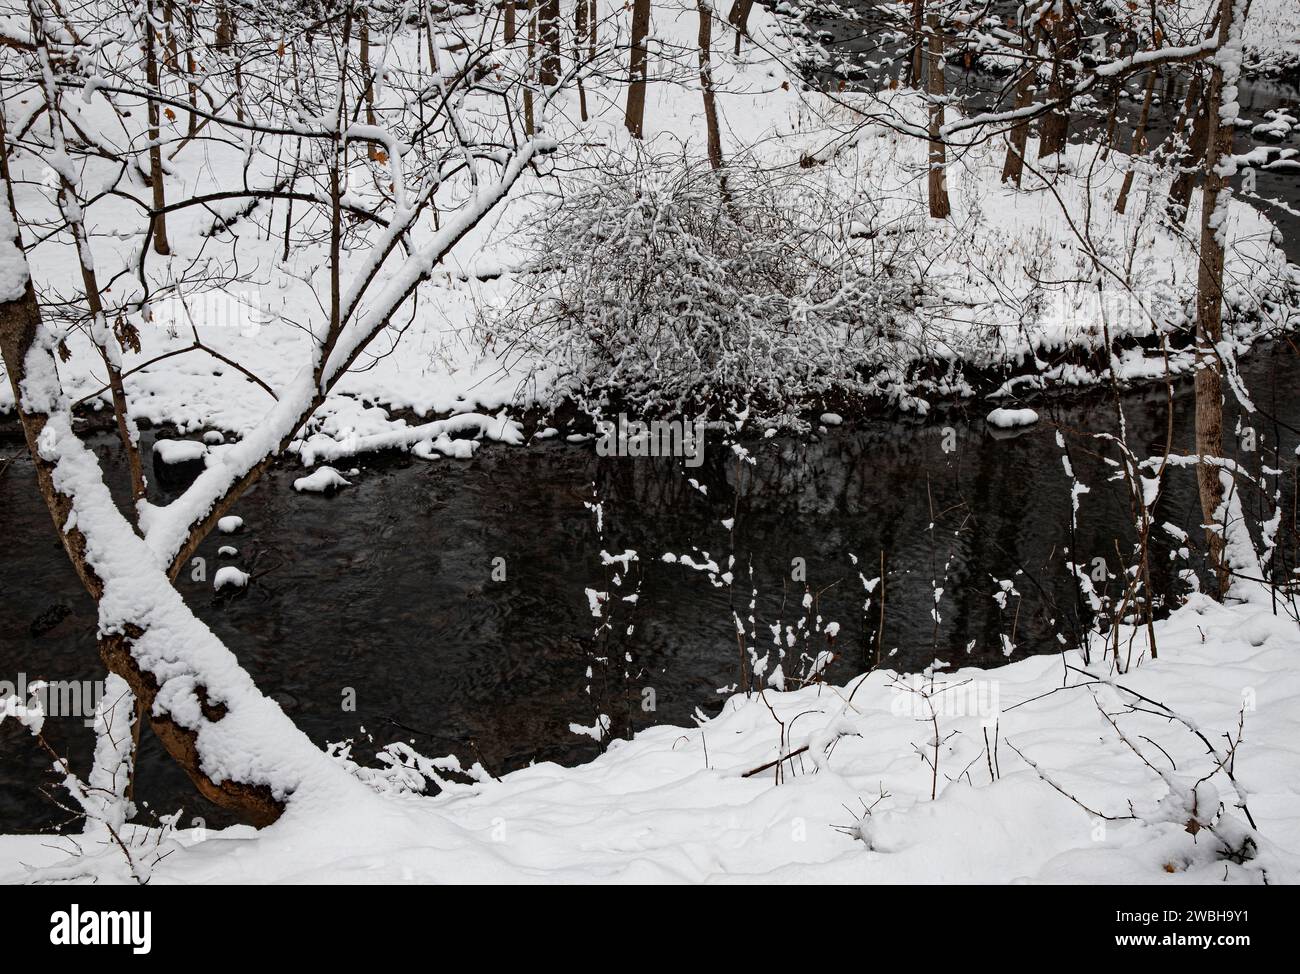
x=1012, y=418
x=228, y=576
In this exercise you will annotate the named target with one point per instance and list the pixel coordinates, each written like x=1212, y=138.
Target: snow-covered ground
x=675, y=804
x=1272, y=37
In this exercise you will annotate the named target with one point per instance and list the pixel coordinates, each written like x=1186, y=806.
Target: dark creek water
x=387, y=588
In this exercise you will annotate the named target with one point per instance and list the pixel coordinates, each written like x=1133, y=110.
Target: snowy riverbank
x=675, y=804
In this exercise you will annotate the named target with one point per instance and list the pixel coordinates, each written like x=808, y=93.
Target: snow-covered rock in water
x=1279, y=125
x=320, y=480
x=457, y=449
x=172, y=452
x=228, y=576
x=227, y=551
x=1012, y=418
x=213, y=437
x=831, y=419
x=425, y=450
x=230, y=524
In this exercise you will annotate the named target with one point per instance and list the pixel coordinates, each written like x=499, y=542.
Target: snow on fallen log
x=437, y=434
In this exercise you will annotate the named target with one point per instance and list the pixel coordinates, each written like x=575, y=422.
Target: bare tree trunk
x=225, y=29
x=1056, y=124
x=530, y=127
x=581, y=11
x=1139, y=143
x=548, y=31
x=191, y=69
x=171, y=57
x=160, y=244
x=706, y=83
x=368, y=95
x=738, y=17
x=940, y=206
x=1209, y=308
x=635, y=116
x=1014, y=164
x=1180, y=192
x=510, y=21
x=1112, y=120
x=917, y=69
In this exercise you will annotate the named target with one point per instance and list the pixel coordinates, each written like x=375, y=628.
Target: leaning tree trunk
x=237, y=746
x=940, y=206
x=738, y=17
x=1209, y=288
x=1180, y=192
x=1138, y=144
x=634, y=118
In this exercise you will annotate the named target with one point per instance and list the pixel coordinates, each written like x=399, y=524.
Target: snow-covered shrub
x=677, y=285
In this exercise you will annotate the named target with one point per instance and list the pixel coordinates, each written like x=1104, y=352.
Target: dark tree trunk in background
x=738, y=17
x=635, y=116
x=1180, y=192
x=1139, y=142
x=225, y=30
x=548, y=35
x=1014, y=164
x=368, y=95
x=530, y=128
x=1209, y=311
x=706, y=83
x=160, y=244
x=917, y=69
x=1056, y=124
x=940, y=206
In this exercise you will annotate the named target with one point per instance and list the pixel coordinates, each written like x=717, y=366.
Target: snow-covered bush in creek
x=676, y=284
